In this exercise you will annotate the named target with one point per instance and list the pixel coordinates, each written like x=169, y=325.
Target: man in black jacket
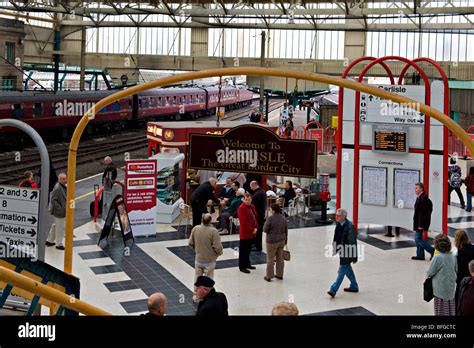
x=156, y=304
x=213, y=303
x=421, y=222
x=201, y=197
x=259, y=200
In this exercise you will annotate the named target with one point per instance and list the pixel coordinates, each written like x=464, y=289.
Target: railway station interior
x=344, y=123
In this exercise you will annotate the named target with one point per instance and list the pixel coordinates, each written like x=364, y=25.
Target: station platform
x=390, y=282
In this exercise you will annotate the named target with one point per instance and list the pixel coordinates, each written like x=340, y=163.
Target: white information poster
x=374, y=186
x=404, y=188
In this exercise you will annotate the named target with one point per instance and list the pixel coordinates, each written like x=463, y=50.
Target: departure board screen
x=390, y=138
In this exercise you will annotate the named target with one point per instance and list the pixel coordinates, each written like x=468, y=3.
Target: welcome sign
x=253, y=149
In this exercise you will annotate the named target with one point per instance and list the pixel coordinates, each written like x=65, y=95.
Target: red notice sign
x=140, y=181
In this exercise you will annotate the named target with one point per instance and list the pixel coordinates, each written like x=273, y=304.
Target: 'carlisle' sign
x=253, y=149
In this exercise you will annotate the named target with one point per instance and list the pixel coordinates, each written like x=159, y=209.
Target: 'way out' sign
x=377, y=110
x=19, y=220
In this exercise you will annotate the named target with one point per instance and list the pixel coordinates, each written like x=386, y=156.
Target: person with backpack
x=469, y=182
x=455, y=181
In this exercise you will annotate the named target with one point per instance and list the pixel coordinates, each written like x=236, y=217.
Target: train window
x=201, y=99
x=130, y=103
x=145, y=102
x=139, y=102
x=184, y=99
x=152, y=102
x=104, y=109
x=17, y=110
x=190, y=99
x=116, y=106
x=159, y=101
x=38, y=110
x=167, y=101
x=197, y=99
x=174, y=100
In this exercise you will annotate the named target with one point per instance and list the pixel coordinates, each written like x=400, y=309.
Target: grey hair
x=343, y=212
x=471, y=266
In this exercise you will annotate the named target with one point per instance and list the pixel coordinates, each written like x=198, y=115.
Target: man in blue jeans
x=421, y=222
x=345, y=244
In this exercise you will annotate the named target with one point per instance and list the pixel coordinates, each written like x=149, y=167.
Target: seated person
x=289, y=192
x=228, y=191
x=230, y=212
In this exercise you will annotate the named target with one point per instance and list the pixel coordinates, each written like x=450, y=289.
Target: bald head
x=108, y=160
x=157, y=303
x=213, y=181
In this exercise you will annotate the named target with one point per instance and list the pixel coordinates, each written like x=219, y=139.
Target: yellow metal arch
x=71, y=175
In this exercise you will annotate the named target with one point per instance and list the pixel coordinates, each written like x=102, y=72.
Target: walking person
x=465, y=254
x=421, y=222
x=248, y=229
x=442, y=270
x=201, y=198
x=206, y=243
x=211, y=302
x=58, y=210
x=276, y=229
x=344, y=244
x=465, y=304
x=455, y=181
x=469, y=182
x=259, y=200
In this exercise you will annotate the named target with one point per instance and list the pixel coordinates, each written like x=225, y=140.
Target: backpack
x=455, y=180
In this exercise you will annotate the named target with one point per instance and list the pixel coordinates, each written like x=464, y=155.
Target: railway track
x=13, y=166
x=236, y=115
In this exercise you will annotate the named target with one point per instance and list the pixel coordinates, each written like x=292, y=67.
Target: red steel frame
x=358, y=147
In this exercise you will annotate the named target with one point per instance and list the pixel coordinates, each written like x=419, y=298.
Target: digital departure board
x=390, y=138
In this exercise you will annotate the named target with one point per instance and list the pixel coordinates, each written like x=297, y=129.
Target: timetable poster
x=374, y=186
x=404, y=188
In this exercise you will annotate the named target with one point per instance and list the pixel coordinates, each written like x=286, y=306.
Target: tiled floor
x=390, y=282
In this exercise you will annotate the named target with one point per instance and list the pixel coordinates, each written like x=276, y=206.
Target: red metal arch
x=339, y=123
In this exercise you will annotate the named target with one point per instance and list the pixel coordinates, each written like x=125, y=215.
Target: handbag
x=286, y=253
x=428, y=289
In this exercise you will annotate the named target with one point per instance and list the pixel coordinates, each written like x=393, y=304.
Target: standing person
x=110, y=172
x=58, y=210
x=455, y=181
x=212, y=303
x=469, y=182
x=28, y=180
x=284, y=113
x=442, y=270
x=249, y=177
x=157, y=304
x=276, y=229
x=289, y=192
x=421, y=222
x=345, y=244
x=248, y=229
x=201, y=198
x=259, y=201
x=465, y=304
x=465, y=254
x=289, y=126
x=206, y=243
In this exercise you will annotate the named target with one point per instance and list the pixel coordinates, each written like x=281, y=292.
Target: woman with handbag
x=443, y=269
x=276, y=229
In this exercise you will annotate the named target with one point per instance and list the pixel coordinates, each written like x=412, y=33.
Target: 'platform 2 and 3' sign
x=19, y=208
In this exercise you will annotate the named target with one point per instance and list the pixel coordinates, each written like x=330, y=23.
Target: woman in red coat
x=248, y=219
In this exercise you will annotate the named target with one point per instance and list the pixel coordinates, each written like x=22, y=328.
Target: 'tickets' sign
x=253, y=149
x=140, y=179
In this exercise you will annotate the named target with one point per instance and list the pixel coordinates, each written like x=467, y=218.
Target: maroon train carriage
x=55, y=115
